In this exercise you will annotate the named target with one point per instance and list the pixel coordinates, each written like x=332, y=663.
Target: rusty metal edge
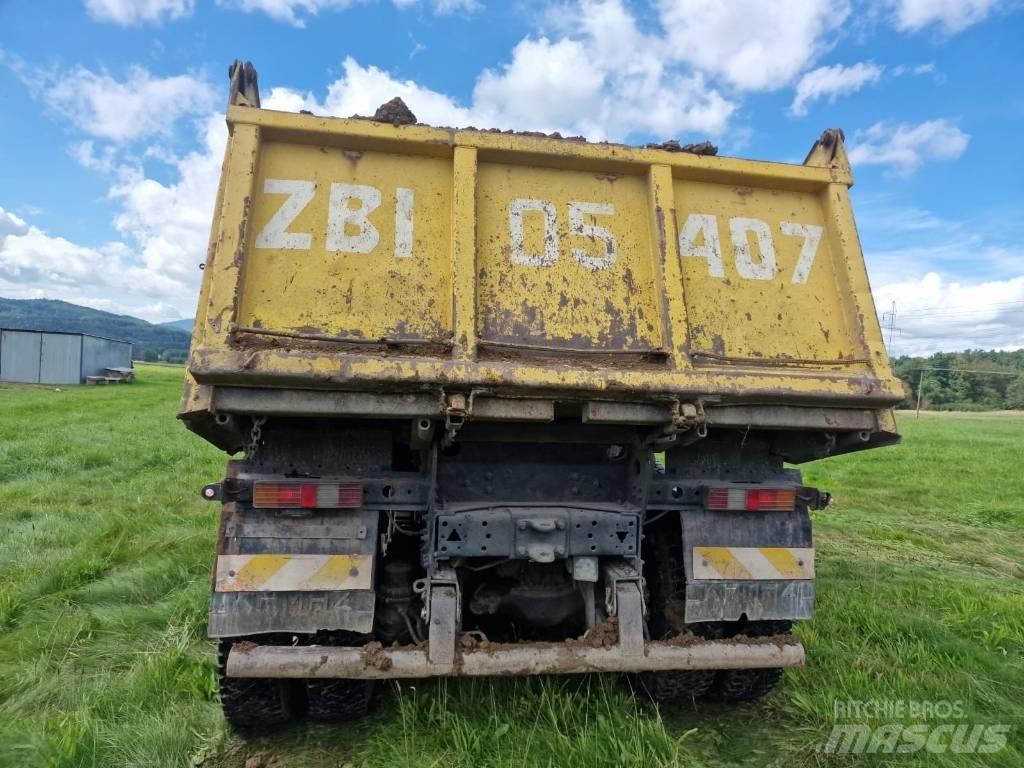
x=248, y=660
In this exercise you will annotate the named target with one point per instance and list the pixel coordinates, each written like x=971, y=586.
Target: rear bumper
x=375, y=662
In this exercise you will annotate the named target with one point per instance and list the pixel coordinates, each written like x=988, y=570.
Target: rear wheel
x=738, y=685
x=664, y=573
x=331, y=700
x=251, y=702
x=338, y=700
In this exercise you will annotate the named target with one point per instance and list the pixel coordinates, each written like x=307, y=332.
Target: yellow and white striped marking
x=753, y=563
x=293, y=573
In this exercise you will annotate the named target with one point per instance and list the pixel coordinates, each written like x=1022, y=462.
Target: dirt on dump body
x=705, y=148
x=374, y=656
x=396, y=112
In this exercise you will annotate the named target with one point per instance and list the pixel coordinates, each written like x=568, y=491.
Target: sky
x=112, y=126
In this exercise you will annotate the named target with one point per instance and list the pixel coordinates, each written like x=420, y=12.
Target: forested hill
x=977, y=381
x=152, y=342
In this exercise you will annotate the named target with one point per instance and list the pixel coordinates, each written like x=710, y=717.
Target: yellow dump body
x=352, y=256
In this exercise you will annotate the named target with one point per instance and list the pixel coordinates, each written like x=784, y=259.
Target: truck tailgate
x=353, y=255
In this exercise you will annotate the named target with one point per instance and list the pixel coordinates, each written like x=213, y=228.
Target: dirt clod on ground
x=374, y=656
x=672, y=145
x=395, y=112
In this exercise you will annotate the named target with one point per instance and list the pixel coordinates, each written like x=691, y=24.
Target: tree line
x=984, y=388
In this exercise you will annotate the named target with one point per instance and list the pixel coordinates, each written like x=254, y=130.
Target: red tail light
x=751, y=499
x=307, y=496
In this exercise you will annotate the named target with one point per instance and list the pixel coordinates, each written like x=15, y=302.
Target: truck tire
x=252, y=702
x=333, y=701
x=739, y=685
x=665, y=581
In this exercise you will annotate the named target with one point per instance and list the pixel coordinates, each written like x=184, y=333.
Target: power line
x=1011, y=306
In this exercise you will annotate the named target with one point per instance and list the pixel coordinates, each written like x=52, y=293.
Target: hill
x=152, y=342
x=185, y=324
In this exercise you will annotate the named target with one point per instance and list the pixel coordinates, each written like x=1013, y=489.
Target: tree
x=1015, y=394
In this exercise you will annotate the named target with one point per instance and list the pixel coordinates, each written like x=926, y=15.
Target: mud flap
x=758, y=565
x=276, y=573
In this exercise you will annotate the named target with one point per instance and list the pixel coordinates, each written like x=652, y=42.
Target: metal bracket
x=442, y=616
x=456, y=412
x=687, y=416
x=689, y=425
x=245, y=89
x=624, y=600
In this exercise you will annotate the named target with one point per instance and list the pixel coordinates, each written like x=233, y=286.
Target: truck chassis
x=351, y=551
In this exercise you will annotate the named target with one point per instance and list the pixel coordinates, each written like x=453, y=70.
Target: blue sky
x=112, y=130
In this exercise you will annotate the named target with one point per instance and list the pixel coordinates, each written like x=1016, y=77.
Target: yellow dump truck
x=509, y=404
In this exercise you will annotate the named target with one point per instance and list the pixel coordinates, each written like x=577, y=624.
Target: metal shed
x=53, y=357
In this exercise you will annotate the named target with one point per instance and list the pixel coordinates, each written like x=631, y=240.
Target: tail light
x=307, y=495
x=751, y=499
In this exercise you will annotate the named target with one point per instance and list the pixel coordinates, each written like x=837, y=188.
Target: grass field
x=105, y=549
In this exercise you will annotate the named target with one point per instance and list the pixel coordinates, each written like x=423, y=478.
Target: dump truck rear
x=508, y=404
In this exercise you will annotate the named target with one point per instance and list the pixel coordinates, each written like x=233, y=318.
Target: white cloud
x=119, y=110
x=918, y=69
x=168, y=225
x=754, y=45
x=103, y=160
x=132, y=12
x=442, y=6
x=951, y=15
x=605, y=81
x=296, y=12
x=34, y=264
x=288, y=11
x=832, y=82
x=153, y=270
x=905, y=146
x=939, y=314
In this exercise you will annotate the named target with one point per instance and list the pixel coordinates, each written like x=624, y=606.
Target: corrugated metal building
x=48, y=357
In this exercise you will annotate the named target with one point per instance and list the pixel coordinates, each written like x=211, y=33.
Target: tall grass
x=105, y=550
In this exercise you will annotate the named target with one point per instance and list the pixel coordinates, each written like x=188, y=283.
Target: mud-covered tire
x=665, y=580
x=253, y=702
x=672, y=688
x=333, y=701
x=738, y=685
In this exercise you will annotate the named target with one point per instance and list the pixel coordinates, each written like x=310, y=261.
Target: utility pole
x=920, y=388
x=892, y=330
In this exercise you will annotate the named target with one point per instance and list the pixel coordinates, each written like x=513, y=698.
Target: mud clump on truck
x=705, y=148
x=395, y=112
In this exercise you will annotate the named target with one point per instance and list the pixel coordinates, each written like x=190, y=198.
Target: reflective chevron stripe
x=293, y=573
x=753, y=563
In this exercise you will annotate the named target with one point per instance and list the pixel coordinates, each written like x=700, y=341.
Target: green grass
x=105, y=550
